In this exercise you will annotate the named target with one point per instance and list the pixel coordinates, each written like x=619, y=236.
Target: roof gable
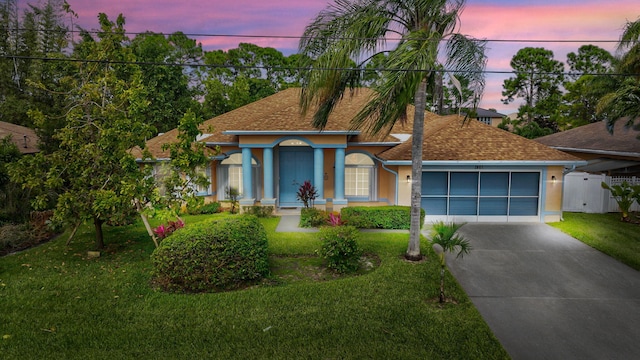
x=451, y=138
x=596, y=138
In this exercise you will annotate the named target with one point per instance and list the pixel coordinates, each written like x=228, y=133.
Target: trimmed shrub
x=379, y=217
x=210, y=208
x=14, y=236
x=340, y=248
x=312, y=217
x=259, y=211
x=219, y=255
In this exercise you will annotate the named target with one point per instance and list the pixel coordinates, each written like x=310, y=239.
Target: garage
x=481, y=195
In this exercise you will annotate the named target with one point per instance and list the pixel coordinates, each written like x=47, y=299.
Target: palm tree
x=343, y=37
x=623, y=102
x=624, y=194
x=444, y=235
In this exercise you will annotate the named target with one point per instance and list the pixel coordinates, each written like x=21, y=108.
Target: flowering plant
x=163, y=231
x=307, y=193
x=334, y=220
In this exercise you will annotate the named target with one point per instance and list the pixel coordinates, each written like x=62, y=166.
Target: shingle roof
x=480, y=112
x=450, y=138
x=595, y=137
x=25, y=139
x=445, y=137
x=277, y=113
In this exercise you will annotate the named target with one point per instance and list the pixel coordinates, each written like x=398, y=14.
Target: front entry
x=296, y=166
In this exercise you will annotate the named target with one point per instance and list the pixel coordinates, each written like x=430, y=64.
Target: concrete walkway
x=290, y=223
x=546, y=295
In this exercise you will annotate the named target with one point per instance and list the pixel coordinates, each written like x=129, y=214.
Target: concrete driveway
x=546, y=295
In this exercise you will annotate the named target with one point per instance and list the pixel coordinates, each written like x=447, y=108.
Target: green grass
x=55, y=303
x=605, y=232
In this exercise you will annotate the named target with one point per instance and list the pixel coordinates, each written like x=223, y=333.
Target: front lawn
x=606, y=233
x=56, y=303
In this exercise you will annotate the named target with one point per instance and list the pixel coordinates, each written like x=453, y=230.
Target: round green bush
x=212, y=256
x=340, y=248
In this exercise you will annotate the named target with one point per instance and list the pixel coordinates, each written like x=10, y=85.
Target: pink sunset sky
x=583, y=20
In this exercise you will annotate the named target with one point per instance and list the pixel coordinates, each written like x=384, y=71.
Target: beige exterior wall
x=404, y=187
x=329, y=173
x=553, y=199
x=496, y=121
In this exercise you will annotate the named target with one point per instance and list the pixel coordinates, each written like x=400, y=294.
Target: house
x=610, y=157
x=489, y=117
x=25, y=139
x=471, y=171
x=616, y=153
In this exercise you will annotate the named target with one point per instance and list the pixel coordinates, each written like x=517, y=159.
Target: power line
x=298, y=37
x=293, y=68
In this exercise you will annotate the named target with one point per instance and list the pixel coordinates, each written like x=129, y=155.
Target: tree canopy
x=623, y=102
x=91, y=171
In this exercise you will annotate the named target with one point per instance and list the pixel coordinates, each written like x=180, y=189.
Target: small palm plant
x=233, y=194
x=444, y=235
x=624, y=194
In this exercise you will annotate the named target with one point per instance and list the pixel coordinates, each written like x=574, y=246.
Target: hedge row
x=379, y=217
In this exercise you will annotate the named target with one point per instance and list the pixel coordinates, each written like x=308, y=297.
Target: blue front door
x=296, y=166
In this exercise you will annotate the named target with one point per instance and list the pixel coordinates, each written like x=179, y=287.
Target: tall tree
x=14, y=202
x=350, y=31
x=585, y=86
x=28, y=83
x=589, y=60
x=538, y=77
x=92, y=172
x=625, y=100
x=243, y=75
x=170, y=94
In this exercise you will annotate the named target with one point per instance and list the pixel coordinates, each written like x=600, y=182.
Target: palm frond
x=444, y=234
x=335, y=40
x=630, y=35
x=406, y=66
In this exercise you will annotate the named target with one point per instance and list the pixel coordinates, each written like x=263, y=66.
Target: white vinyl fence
x=583, y=193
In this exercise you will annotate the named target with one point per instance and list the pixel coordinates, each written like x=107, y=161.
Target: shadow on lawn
x=300, y=268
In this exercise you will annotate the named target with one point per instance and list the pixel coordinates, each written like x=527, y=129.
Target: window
x=481, y=193
x=202, y=190
x=230, y=176
x=162, y=170
x=359, y=177
x=485, y=120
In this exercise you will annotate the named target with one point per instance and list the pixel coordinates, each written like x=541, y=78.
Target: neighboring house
x=489, y=117
x=612, y=158
x=471, y=172
x=24, y=138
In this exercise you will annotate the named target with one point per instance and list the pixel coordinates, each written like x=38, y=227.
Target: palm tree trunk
x=413, y=251
x=442, y=283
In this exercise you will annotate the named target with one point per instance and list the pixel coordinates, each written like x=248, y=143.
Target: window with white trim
x=360, y=177
x=230, y=176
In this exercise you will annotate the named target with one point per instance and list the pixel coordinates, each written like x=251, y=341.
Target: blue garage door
x=481, y=193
